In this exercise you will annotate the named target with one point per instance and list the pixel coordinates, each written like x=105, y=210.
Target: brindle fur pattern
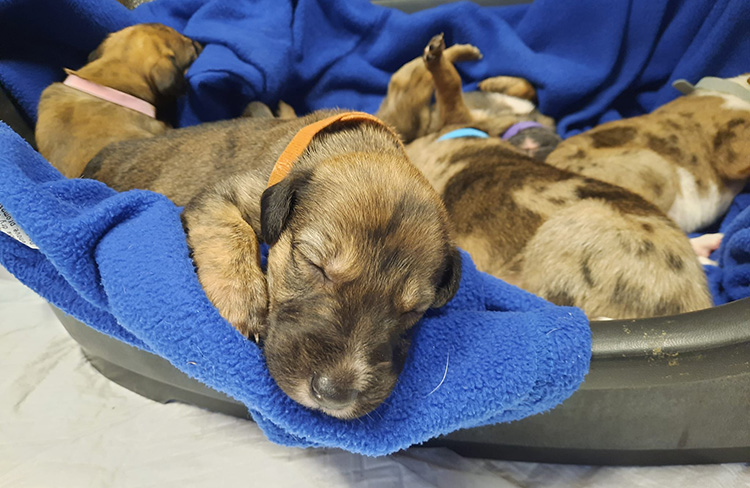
x=147, y=61
x=360, y=242
x=570, y=239
x=703, y=137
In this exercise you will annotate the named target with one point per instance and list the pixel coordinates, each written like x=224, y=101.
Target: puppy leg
x=706, y=244
x=257, y=110
x=406, y=106
x=285, y=111
x=509, y=85
x=227, y=258
x=261, y=111
x=448, y=93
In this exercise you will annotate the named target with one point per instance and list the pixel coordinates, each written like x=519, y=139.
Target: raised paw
x=434, y=49
x=458, y=53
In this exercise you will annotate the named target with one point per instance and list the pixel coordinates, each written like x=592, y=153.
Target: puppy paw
x=706, y=244
x=434, y=49
x=285, y=111
x=253, y=328
x=459, y=53
x=227, y=258
x=509, y=85
x=242, y=302
x=257, y=110
x=707, y=262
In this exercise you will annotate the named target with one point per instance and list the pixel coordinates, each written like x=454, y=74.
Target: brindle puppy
x=360, y=245
x=145, y=61
x=690, y=157
x=570, y=239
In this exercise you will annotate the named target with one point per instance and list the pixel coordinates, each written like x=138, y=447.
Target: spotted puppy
x=571, y=239
x=690, y=157
x=124, y=92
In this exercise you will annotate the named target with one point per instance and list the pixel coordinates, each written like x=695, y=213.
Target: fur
x=147, y=61
x=571, y=239
x=690, y=157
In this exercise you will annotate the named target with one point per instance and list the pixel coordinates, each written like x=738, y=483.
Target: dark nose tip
x=332, y=394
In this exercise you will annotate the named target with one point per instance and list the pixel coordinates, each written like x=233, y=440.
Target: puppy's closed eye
x=383, y=354
x=315, y=268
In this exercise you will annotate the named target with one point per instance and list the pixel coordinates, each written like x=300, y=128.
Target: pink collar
x=111, y=95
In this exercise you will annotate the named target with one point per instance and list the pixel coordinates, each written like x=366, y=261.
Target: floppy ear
x=449, y=279
x=277, y=204
x=167, y=79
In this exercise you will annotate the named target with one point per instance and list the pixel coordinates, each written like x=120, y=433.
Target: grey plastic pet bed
x=666, y=390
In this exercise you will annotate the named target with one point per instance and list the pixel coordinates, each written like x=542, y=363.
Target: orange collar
x=302, y=139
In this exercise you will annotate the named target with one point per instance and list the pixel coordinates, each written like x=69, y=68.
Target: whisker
x=447, y=360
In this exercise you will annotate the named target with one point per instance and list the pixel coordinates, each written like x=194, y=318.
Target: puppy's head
x=360, y=249
x=152, y=53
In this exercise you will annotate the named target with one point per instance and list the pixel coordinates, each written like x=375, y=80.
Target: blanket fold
x=119, y=262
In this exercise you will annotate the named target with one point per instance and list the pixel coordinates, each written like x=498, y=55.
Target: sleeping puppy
x=124, y=92
x=506, y=101
x=570, y=239
x=360, y=244
x=690, y=157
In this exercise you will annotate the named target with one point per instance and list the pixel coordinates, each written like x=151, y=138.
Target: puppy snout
x=332, y=394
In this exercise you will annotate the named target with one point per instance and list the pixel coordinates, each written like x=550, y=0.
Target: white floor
x=63, y=425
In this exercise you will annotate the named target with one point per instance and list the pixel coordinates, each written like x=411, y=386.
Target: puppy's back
x=613, y=264
x=182, y=162
x=570, y=239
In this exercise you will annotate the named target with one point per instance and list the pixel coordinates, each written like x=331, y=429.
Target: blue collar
x=465, y=132
x=478, y=134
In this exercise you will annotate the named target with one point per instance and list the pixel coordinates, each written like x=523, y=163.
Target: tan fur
x=511, y=85
x=227, y=260
x=410, y=112
x=501, y=102
x=568, y=238
x=147, y=61
x=701, y=138
x=608, y=263
x=360, y=244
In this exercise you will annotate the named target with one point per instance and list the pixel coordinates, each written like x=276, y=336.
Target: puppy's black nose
x=332, y=394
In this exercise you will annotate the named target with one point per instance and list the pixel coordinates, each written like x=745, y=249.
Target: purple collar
x=516, y=128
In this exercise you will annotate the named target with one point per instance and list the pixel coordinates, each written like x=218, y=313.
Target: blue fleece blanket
x=119, y=262
x=493, y=354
